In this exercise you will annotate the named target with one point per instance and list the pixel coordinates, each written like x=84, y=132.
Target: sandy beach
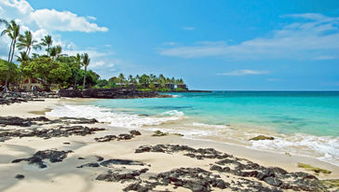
x=65, y=176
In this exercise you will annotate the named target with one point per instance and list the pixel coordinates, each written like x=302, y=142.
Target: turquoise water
x=304, y=123
x=314, y=113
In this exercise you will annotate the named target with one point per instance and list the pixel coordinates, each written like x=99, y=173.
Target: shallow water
x=302, y=122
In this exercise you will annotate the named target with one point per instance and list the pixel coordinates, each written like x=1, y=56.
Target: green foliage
x=48, y=70
x=148, y=82
x=8, y=70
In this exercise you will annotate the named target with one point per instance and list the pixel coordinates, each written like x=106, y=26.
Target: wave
x=324, y=148
x=116, y=119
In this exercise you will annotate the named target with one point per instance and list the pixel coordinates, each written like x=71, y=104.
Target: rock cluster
x=18, y=97
x=113, y=93
x=109, y=163
x=121, y=175
x=275, y=177
x=119, y=137
x=52, y=155
x=27, y=122
x=62, y=131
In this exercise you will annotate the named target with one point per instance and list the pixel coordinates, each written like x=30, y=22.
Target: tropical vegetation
x=44, y=61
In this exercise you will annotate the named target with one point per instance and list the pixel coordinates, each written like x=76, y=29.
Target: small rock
x=19, y=176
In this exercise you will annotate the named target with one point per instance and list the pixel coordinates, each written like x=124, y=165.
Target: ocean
x=302, y=122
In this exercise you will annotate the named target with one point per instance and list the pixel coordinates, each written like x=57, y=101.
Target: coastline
x=65, y=173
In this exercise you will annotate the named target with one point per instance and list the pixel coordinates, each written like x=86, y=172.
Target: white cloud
x=48, y=19
x=314, y=37
x=243, y=72
x=45, y=21
x=53, y=20
x=188, y=28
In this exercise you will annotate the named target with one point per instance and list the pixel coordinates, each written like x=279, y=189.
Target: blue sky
x=217, y=45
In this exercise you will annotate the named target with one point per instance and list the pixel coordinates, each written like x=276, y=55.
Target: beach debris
x=200, y=153
x=125, y=136
x=89, y=165
x=27, y=122
x=62, y=131
x=105, y=138
x=15, y=121
x=52, y=155
x=19, y=176
x=110, y=162
x=73, y=120
x=159, y=133
x=331, y=184
x=230, y=165
x=316, y=170
x=261, y=137
x=135, y=132
x=121, y=175
x=99, y=158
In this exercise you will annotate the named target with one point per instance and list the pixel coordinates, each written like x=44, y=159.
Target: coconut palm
x=27, y=42
x=54, y=52
x=12, y=30
x=47, y=41
x=85, y=62
x=22, y=57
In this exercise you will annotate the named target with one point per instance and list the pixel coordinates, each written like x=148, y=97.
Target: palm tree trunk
x=10, y=51
x=84, y=83
x=14, y=42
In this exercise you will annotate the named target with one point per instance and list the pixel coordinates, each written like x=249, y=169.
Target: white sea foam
x=324, y=148
x=195, y=124
x=117, y=119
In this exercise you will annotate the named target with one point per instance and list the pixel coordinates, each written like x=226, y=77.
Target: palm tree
x=27, y=42
x=54, y=52
x=85, y=62
x=47, y=41
x=13, y=31
x=121, y=78
x=23, y=57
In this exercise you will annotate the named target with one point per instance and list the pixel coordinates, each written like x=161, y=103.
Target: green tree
x=47, y=70
x=85, y=62
x=27, y=42
x=22, y=57
x=121, y=78
x=8, y=68
x=55, y=52
x=12, y=30
x=47, y=41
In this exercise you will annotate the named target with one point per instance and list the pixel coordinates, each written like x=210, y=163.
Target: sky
x=212, y=45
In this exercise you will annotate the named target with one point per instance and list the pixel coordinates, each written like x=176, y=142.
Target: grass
x=316, y=170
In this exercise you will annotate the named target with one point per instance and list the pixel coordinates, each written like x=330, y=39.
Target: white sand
x=64, y=176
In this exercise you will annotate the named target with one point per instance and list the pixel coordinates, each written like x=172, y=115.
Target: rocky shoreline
x=223, y=171
x=19, y=97
x=113, y=93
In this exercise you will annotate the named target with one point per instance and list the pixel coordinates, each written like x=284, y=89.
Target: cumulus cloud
x=310, y=36
x=243, y=72
x=53, y=20
x=48, y=19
